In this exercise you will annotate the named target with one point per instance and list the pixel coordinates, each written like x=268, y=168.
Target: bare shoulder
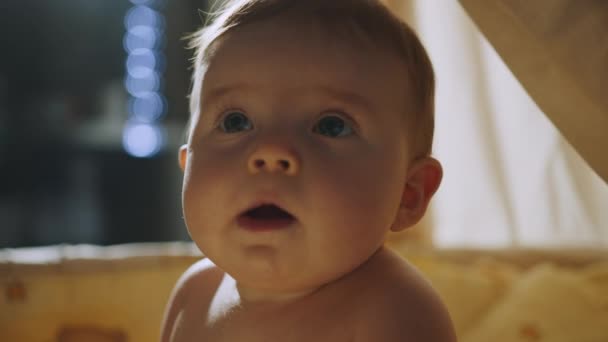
x=193, y=289
x=401, y=305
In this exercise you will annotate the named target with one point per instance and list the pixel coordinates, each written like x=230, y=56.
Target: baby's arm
x=189, y=290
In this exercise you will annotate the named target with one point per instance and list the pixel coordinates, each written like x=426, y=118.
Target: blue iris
x=235, y=122
x=333, y=126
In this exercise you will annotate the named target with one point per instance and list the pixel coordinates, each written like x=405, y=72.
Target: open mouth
x=265, y=217
x=268, y=212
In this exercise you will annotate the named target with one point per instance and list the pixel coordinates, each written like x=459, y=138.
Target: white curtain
x=511, y=179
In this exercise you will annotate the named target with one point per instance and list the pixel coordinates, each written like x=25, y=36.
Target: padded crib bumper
x=118, y=293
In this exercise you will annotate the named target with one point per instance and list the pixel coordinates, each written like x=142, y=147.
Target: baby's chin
x=293, y=284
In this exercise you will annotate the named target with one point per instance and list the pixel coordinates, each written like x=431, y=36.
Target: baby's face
x=292, y=118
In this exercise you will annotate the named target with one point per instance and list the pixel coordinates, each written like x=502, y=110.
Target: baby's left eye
x=333, y=126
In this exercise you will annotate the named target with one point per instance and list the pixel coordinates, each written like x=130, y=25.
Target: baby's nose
x=273, y=158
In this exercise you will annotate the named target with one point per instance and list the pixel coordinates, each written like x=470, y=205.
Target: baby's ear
x=183, y=156
x=423, y=179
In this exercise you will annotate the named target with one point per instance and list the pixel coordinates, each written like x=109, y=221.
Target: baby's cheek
x=199, y=198
x=372, y=194
x=351, y=210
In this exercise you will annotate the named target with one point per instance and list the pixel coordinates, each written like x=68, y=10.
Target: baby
x=310, y=140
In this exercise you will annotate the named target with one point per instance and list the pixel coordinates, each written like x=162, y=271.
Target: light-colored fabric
x=558, y=50
x=118, y=293
x=88, y=293
x=548, y=303
x=510, y=178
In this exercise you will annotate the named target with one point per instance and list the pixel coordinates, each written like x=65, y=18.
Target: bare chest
x=259, y=327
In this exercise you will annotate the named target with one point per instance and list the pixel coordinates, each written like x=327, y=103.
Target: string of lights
x=144, y=40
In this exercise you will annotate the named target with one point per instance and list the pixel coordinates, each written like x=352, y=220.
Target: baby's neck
x=251, y=296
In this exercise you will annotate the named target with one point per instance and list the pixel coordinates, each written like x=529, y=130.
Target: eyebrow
x=218, y=92
x=340, y=95
x=346, y=96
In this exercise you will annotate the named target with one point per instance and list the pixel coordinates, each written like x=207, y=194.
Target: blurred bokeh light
x=93, y=105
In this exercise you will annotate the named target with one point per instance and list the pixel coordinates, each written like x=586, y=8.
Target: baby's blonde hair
x=351, y=19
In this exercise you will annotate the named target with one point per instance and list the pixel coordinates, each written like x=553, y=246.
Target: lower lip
x=259, y=225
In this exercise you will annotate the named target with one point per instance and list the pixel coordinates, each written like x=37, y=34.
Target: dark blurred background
x=92, y=111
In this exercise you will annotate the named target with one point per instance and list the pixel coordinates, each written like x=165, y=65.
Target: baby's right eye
x=235, y=121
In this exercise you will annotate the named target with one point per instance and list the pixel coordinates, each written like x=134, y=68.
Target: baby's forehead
x=303, y=45
x=289, y=61
x=341, y=29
